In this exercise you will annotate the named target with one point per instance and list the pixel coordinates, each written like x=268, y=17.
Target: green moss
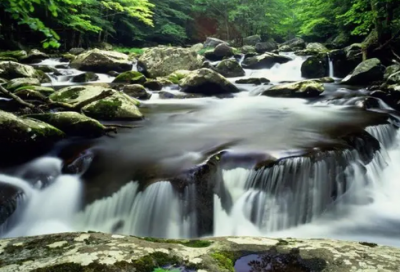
x=165, y=270
x=204, y=50
x=70, y=94
x=154, y=260
x=18, y=54
x=131, y=77
x=187, y=243
x=225, y=260
x=176, y=78
x=105, y=108
x=129, y=50
x=43, y=90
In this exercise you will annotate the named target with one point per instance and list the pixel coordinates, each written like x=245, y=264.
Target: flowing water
x=316, y=186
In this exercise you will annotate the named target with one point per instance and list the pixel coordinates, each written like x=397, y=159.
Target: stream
x=344, y=193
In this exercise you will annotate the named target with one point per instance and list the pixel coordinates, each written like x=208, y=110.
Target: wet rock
x=264, y=61
x=67, y=57
x=177, y=76
x=136, y=91
x=248, y=49
x=30, y=95
x=130, y=77
x=212, y=42
x=301, y=89
x=230, y=68
x=113, y=73
x=102, y=61
x=223, y=50
x=85, y=77
x=162, y=61
x=35, y=56
x=72, y=123
x=325, y=80
x=43, y=77
x=16, y=83
x=255, y=81
x=169, y=95
x=46, y=91
x=292, y=45
x=8, y=59
x=207, y=82
x=197, y=47
x=366, y=72
x=153, y=85
x=341, y=40
x=47, y=69
x=118, y=106
x=252, y=40
x=390, y=70
x=315, y=66
x=10, y=70
x=318, y=47
x=9, y=196
x=18, y=54
x=344, y=63
x=76, y=51
x=262, y=47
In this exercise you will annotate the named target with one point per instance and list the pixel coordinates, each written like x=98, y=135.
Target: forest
x=65, y=24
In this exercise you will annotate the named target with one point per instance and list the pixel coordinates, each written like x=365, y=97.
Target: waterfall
x=331, y=71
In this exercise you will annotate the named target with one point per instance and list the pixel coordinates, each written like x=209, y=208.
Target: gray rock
x=255, y=81
x=230, y=68
x=366, y=72
x=318, y=47
x=252, y=40
x=315, y=66
x=248, y=49
x=268, y=46
x=153, y=85
x=35, y=56
x=266, y=60
x=76, y=51
x=293, y=45
x=223, y=51
x=85, y=77
x=197, y=47
x=10, y=70
x=301, y=89
x=136, y=91
x=131, y=77
x=212, y=42
x=344, y=63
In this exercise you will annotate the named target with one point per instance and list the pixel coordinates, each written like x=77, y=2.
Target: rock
x=10, y=70
x=162, y=61
x=394, y=78
x=72, y=123
x=67, y=57
x=293, y=45
x=85, y=77
x=136, y=91
x=315, y=66
x=47, y=69
x=43, y=77
x=197, y=47
x=366, y=72
x=113, y=73
x=252, y=40
x=131, y=77
x=118, y=106
x=18, y=54
x=46, y=91
x=248, y=49
x=341, y=40
x=35, y=56
x=390, y=70
x=17, y=133
x=76, y=51
x=212, y=42
x=318, y=47
x=153, y=85
x=230, y=68
x=221, y=254
x=30, y=95
x=266, y=60
x=15, y=83
x=177, y=76
x=104, y=46
x=223, y=50
x=8, y=59
x=169, y=95
x=255, y=81
x=325, y=80
x=207, y=82
x=344, y=63
x=102, y=61
x=301, y=89
x=3, y=81
x=262, y=47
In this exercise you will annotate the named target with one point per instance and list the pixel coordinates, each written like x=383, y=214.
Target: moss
x=18, y=54
x=176, y=78
x=187, y=243
x=43, y=90
x=225, y=260
x=204, y=50
x=70, y=94
x=131, y=77
x=105, y=108
x=154, y=260
x=8, y=59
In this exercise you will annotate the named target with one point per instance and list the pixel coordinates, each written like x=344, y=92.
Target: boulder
x=16, y=83
x=67, y=57
x=344, y=62
x=264, y=61
x=162, y=61
x=100, y=61
x=131, y=77
x=46, y=91
x=262, y=47
x=301, y=89
x=47, y=69
x=292, y=45
x=85, y=77
x=255, y=81
x=207, y=82
x=230, y=68
x=223, y=51
x=177, y=76
x=43, y=77
x=10, y=70
x=197, y=47
x=104, y=46
x=72, y=123
x=136, y=91
x=315, y=66
x=35, y=56
x=341, y=40
x=390, y=70
x=248, y=49
x=318, y=47
x=212, y=42
x=252, y=40
x=76, y=51
x=17, y=54
x=30, y=95
x=394, y=78
x=118, y=106
x=366, y=72
x=153, y=85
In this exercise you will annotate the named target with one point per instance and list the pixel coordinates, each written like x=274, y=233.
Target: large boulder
x=118, y=106
x=10, y=70
x=72, y=123
x=136, y=91
x=315, y=66
x=366, y=72
x=268, y=46
x=319, y=47
x=230, y=68
x=207, y=82
x=264, y=61
x=212, y=42
x=220, y=52
x=292, y=45
x=16, y=83
x=344, y=62
x=162, y=61
x=101, y=61
x=252, y=40
x=153, y=85
x=301, y=89
x=35, y=56
x=131, y=77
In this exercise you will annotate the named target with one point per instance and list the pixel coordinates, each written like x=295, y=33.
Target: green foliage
x=129, y=50
x=166, y=270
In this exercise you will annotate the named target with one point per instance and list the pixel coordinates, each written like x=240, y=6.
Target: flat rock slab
x=106, y=252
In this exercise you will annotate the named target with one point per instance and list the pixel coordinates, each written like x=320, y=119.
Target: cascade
x=331, y=71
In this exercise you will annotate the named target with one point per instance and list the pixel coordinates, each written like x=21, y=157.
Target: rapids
x=317, y=187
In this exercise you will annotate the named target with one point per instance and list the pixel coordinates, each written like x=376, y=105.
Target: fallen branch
x=395, y=55
x=16, y=98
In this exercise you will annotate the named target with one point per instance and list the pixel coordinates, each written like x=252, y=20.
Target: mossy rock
x=16, y=83
x=30, y=94
x=130, y=77
x=153, y=85
x=366, y=72
x=10, y=70
x=17, y=54
x=253, y=80
x=301, y=89
x=46, y=91
x=8, y=59
x=136, y=91
x=177, y=76
x=85, y=77
x=68, y=57
x=72, y=123
x=230, y=68
x=3, y=81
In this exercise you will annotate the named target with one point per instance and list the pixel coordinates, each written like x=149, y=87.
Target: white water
x=331, y=71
